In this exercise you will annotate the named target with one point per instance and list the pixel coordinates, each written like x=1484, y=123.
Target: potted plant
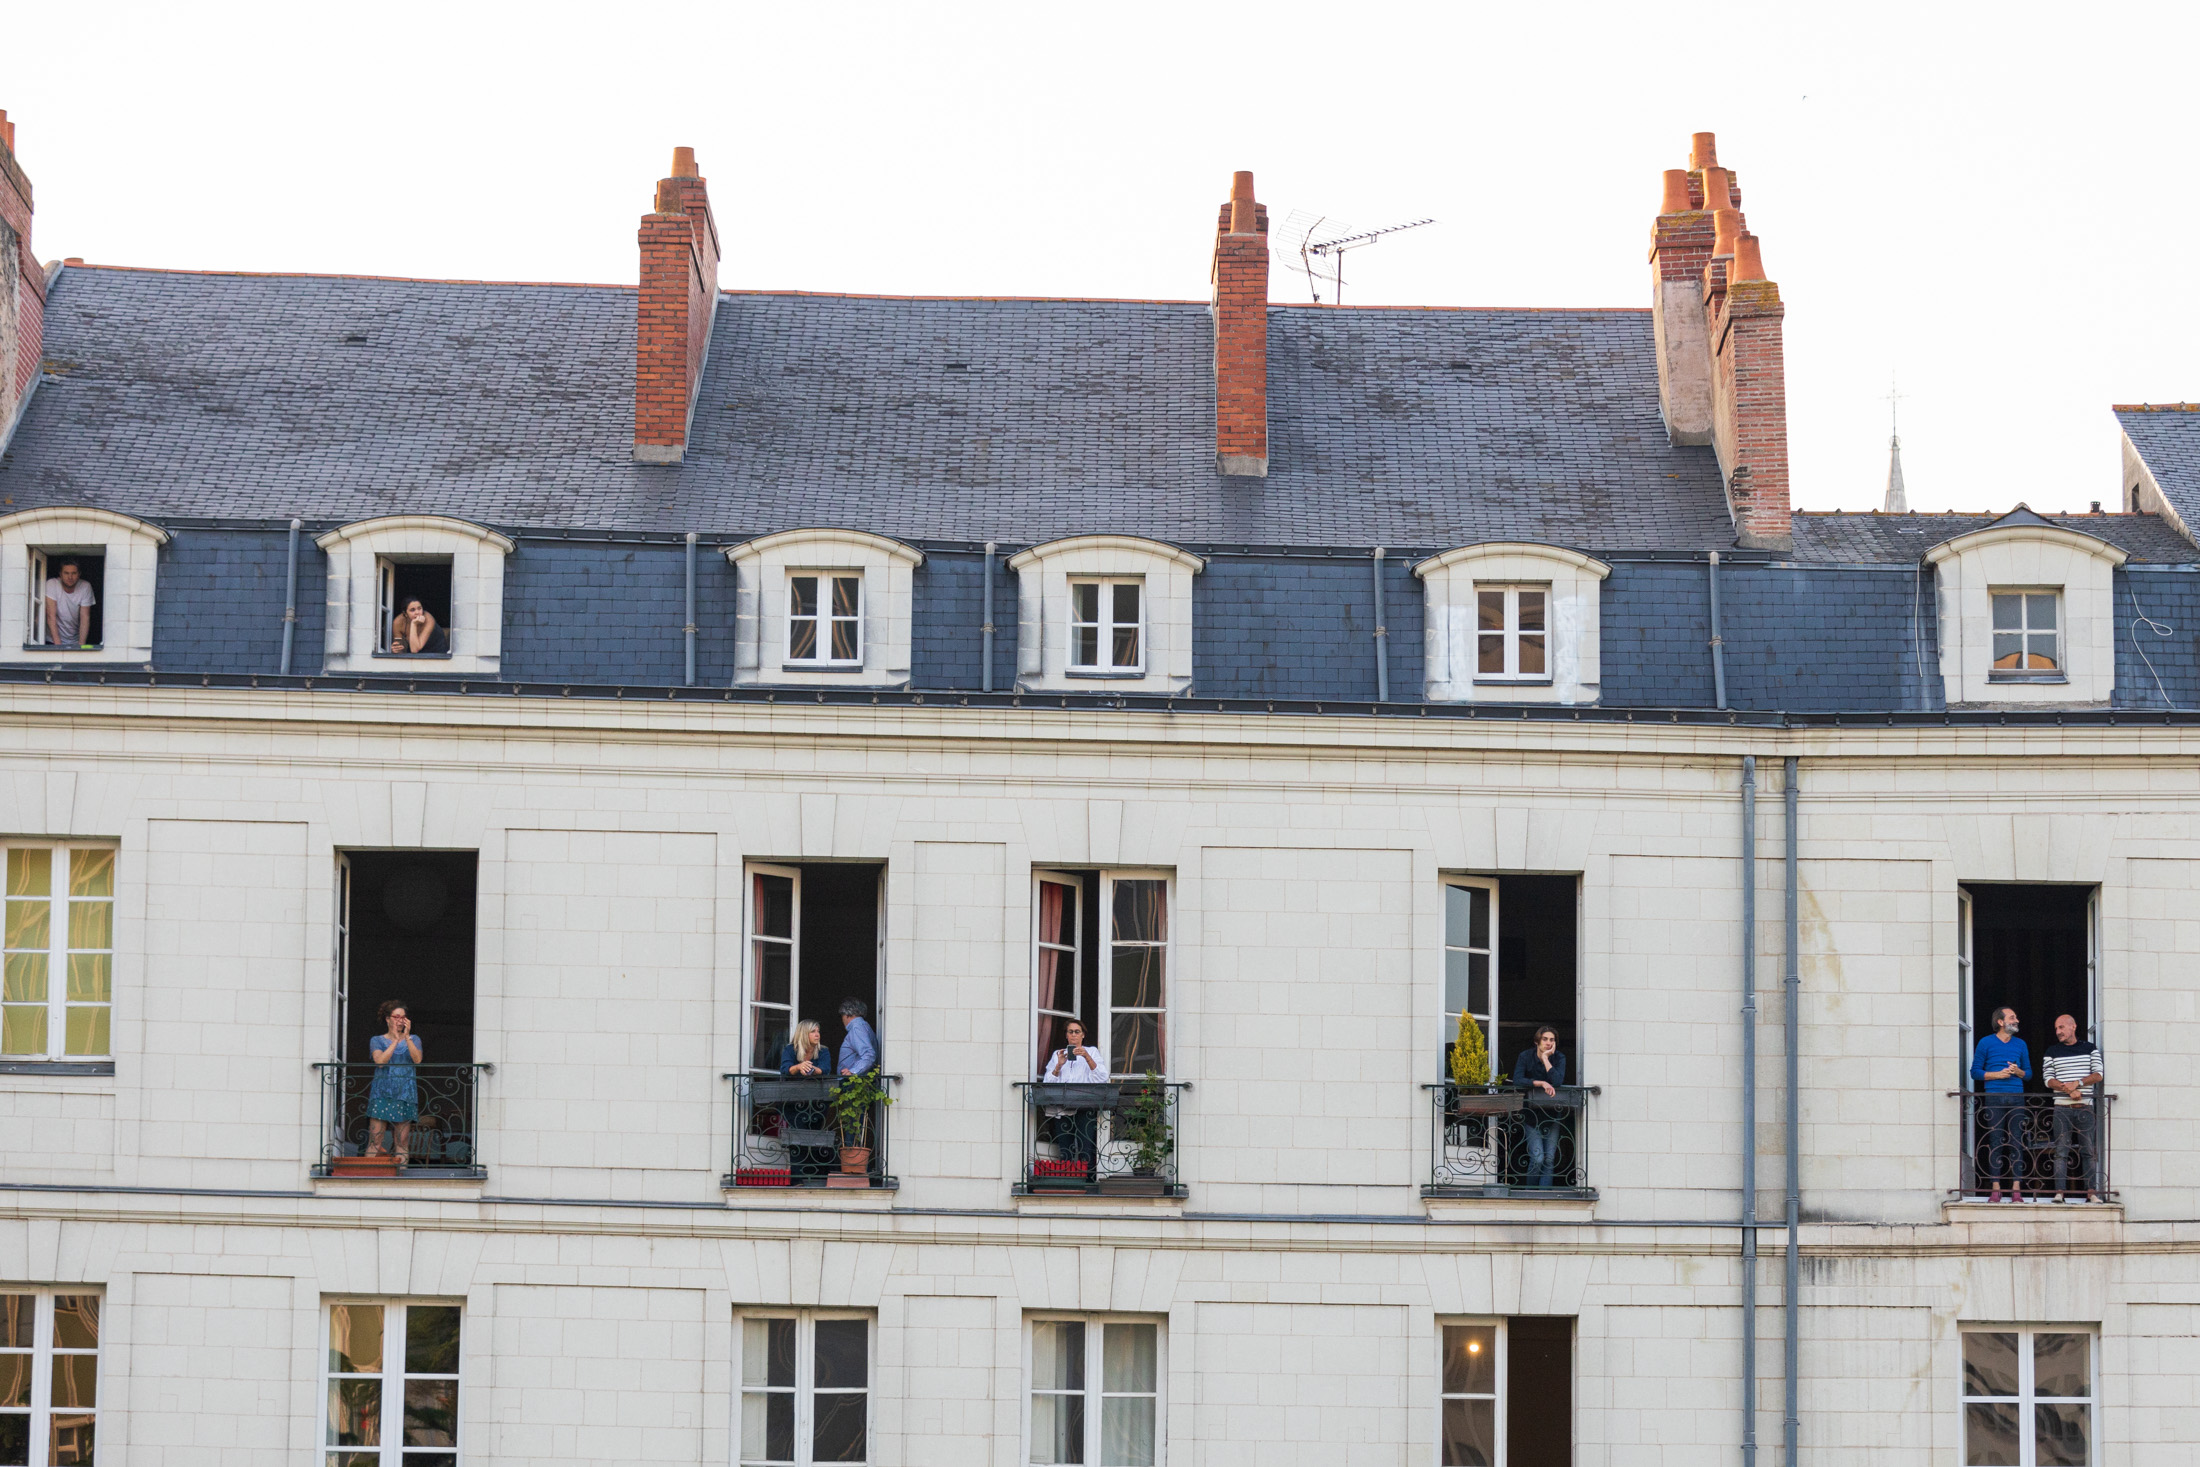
x=1142, y=1123
x=1471, y=1092
x=854, y=1100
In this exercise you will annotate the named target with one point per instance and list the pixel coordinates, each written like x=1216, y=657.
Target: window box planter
x=1497, y=1103
x=763, y=1176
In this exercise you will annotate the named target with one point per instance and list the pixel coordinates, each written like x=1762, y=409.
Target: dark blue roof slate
x=2168, y=439
x=338, y=398
x=1871, y=539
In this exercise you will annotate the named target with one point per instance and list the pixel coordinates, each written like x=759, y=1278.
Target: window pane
x=16, y=1313
x=1054, y=981
x=355, y=1339
x=1990, y=1434
x=1126, y=1431
x=775, y=906
x=75, y=1380
x=15, y=1381
x=1057, y=1356
x=15, y=1440
x=844, y=641
x=1470, y=1359
x=1990, y=1364
x=2043, y=653
x=2059, y=1366
x=26, y=978
x=92, y=873
x=1058, y=1428
x=1057, y=913
x=771, y=1029
x=2008, y=649
x=2061, y=1436
x=1084, y=602
x=22, y=1030
x=774, y=972
x=27, y=924
x=847, y=595
x=30, y=871
x=802, y=641
x=841, y=1358
x=70, y=1441
x=88, y=977
x=2008, y=613
x=1141, y=911
x=767, y=1426
x=1135, y=1044
x=92, y=924
x=1531, y=611
x=837, y=1433
x=1470, y=1433
x=1126, y=602
x=1459, y=915
x=428, y=1459
x=1489, y=611
x=76, y=1322
x=431, y=1339
x=1466, y=983
x=85, y=1031
x=347, y=1459
x=1531, y=656
x=1086, y=649
x=354, y=1413
x=431, y=1413
x=767, y=1352
x=1489, y=656
x=1137, y=978
x=1124, y=652
x=1128, y=1358
x=2039, y=612
x=802, y=596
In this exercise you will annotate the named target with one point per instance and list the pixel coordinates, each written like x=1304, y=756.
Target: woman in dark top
x=806, y=1057
x=1541, y=1072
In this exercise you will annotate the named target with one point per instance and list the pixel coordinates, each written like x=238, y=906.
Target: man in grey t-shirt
x=67, y=595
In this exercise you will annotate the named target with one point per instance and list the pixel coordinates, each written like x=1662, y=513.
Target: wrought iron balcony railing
x=1492, y=1141
x=789, y=1133
x=2027, y=1148
x=1117, y=1139
x=443, y=1138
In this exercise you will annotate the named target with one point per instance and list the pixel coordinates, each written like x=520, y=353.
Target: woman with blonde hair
x=805, y=1054
x=805, y=1057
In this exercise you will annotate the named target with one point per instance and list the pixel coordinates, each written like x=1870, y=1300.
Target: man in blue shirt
x=859, y=1050
x=1999, y=1067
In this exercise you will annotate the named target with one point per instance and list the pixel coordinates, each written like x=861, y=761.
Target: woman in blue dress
x=394, y=1098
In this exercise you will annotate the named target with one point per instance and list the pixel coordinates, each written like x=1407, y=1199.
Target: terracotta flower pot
x=855, y=1160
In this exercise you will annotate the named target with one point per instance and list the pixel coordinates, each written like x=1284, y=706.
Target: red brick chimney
x=22, y=285
x=1722, y=376
x=1241, y=334
x=673, y=312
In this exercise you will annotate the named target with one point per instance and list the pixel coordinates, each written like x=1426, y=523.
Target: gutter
x=1794, y=1120
x=1718, y=643
x=1382, y=636
x=985, y=627
x=1749, y=1102
x=688, y=630
x=290, y=595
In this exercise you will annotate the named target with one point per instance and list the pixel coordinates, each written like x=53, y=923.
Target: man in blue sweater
x=1999, y=1067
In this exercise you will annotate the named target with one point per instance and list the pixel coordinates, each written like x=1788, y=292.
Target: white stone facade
x=1302, y=1282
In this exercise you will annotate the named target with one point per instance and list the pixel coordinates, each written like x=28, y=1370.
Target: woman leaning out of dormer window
x=415, y=631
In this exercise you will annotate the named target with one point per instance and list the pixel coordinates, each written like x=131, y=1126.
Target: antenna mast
x=1323, y=242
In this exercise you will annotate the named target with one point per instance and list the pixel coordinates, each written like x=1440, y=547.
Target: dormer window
x=825, y=619
x=1512, y=633
x=2027, y=644
x=1511, y=622
x=1104, y=623
x=415, y=587
x=76, y=585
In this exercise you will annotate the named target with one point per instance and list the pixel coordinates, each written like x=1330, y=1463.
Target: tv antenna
x=1321, y=243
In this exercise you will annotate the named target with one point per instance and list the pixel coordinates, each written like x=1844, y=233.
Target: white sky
x=1997, y=203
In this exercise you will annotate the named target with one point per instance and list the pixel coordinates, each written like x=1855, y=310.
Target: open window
x=378, y=567
x=68, y=601
x=414, y=610
x=97, y=569
x=1505, y=1392
x=2029, y=948
x=1520, y=931
x=817, y=938
x=1101, y=958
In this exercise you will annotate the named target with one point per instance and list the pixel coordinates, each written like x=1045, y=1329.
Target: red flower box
x=763, y=1176
x=1047, y=1167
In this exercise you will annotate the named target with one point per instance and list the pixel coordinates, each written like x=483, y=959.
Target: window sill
x=1512, y=682
x=48, y=649
x=415, y=656
x=56, y=1067
x=1094, y=674
x=856, y=666
x=2035, y=678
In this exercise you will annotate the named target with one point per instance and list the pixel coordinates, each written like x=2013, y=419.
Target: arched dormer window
x=823, y=607
x=2027, y=614
x=76, y=585
x=453, y=568
x=1512, y=622
x=1104, y=612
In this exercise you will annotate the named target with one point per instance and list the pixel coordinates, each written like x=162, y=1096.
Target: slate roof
x=340, y=398
x=1868, y=539
x=2168, y=439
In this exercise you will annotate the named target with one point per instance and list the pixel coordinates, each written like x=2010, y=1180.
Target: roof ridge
x=344, y=275
x=2155, y=407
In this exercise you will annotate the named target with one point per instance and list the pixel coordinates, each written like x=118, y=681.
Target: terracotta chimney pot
x=1703, y=150
x=1727, y=224
x=1717, y=189
x=683, y=163
x=1749, y=263
x=1676, y=192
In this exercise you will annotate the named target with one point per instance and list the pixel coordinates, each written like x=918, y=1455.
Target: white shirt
x=68, y=610
x=1066, y=1067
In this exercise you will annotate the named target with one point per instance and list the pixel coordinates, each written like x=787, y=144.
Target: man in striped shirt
x=2072, y=1071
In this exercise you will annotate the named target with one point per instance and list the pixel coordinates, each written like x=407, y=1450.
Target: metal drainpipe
x=689, y=629
x=290, y=596
x=1718, y=643
x=986, y=626
x=1794, y=1120
x=1382, y=635
x=1749, y=1110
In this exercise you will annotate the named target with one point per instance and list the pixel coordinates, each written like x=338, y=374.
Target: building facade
x=1301, y=701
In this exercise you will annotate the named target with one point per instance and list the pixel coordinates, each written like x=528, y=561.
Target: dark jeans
x=2079, y=1127
x=1540, y=1135
x=2002, y=1118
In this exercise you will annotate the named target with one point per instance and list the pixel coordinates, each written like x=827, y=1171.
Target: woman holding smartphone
x=394, y=1098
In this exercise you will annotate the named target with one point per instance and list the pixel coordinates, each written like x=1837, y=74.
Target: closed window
x=1511, y=632
x=1096, y=1392
x=392, y=1385
x=824, y=618
x=2028, y=1398
x=59, y=952
x=805, y=1389
x=2027, y=635
x=1104, y=626
x=49, y=1378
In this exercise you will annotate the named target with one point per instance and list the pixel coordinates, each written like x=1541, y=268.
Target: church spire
x=1898, y=498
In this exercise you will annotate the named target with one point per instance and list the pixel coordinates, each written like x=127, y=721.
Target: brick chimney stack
x=1722, y=376
x=22, y=285
x=1241, y=333
x=673, y=312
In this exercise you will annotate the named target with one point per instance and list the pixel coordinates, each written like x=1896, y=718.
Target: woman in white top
x=1075, y=1131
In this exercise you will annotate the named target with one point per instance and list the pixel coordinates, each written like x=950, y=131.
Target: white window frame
x=1500, y=1376
x=752, y=967
x=1094, y=1392
x=1511, y=631
x=1045, y=642
x=2019, y=552
x=391, y=1452
x=130, y=553
x=42, y=1352
x=804, y=1389
x=2026, y=1397
x=60, y=903
x=1040, y=880
x=2060, y=672
x=385, y=597
x=1104, y=627
x=356, y=637
x=1449, y=1016
x=763, y=573
x=1573, y=588
x=1109, y=881
x=43, y=560
x=823, y=621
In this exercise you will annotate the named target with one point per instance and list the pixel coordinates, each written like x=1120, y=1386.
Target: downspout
x=689, y=629
x=290, y=596
x=1382, y=635
x=1718, y=643
x=986, y=626
x=1749, y=1104
x=1794, y=1120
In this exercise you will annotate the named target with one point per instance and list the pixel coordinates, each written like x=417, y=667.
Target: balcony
x=1104, y=1140
x=2033, y=1149
x=1492, y=1142
x=795, y=1133
x=442, y=1142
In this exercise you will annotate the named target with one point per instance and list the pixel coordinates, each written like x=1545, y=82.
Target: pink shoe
x=1996, y=1197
